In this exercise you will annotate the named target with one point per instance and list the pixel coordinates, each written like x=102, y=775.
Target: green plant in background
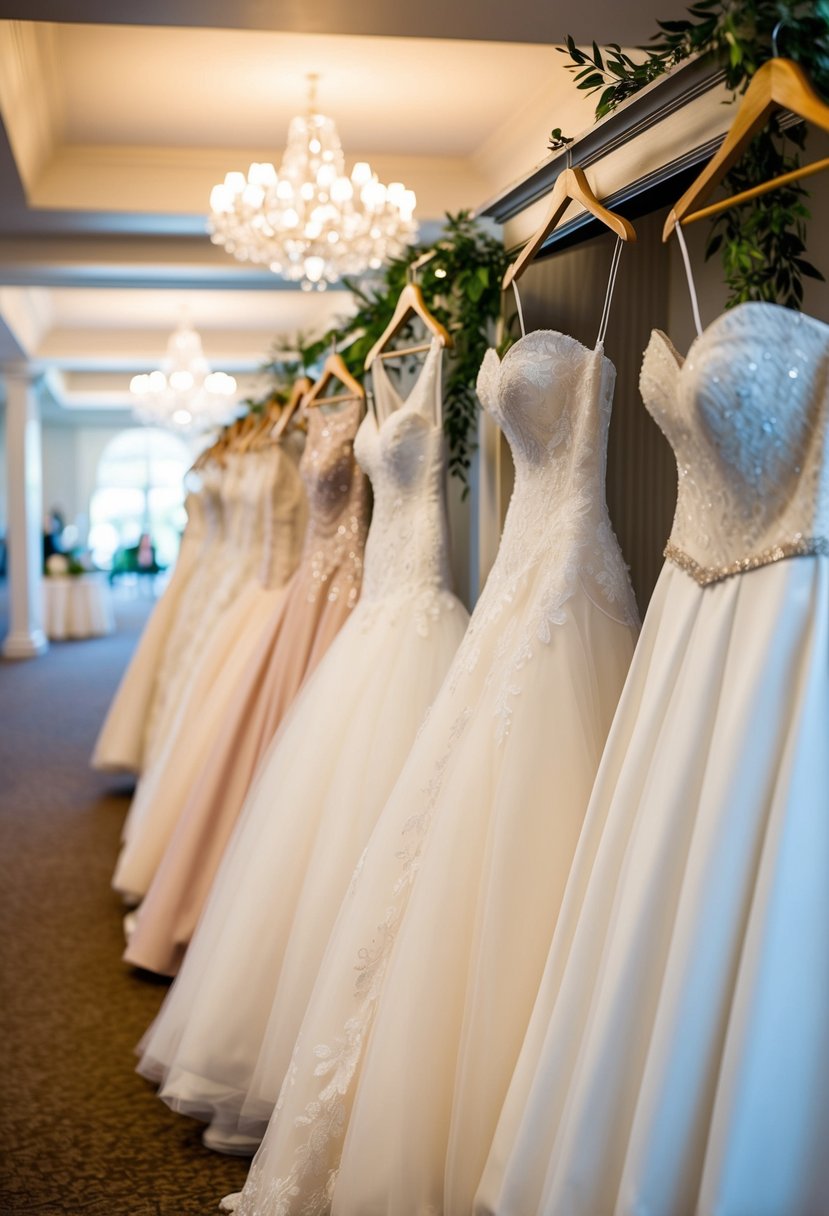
x=762, y=242
x=462, y=286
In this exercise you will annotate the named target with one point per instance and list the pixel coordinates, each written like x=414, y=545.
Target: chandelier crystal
x=310, y=222
x=184, y=394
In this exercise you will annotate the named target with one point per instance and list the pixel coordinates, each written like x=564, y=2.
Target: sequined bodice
x=400, y=446
x=552, y=398
x=285, y=513
x=337, y=494
x=747, y=414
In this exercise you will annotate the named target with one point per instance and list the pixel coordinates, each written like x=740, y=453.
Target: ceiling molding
x=30, y=95
x=659, y=134
x=485, y=20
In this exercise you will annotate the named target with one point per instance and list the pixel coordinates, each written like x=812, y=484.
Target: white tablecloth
x=77, y=606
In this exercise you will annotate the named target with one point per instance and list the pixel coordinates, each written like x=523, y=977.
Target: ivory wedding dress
x=257, y=949
x=270, y=514
x=429, y=978
x=120, y=742
x=200, y=797
x=678, y=1058
x=197, y=593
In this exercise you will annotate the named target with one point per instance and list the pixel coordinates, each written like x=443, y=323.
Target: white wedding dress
x=420, y=1008
x=677, y=1063
x=258, y=945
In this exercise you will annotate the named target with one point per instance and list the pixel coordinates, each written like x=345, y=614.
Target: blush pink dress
x=321, y=595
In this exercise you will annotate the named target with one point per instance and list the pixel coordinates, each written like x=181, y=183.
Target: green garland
x=761, y=242
x=462, y=287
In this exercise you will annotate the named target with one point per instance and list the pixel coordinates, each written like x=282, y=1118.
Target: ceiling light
x=184, y=395
x=310, y=222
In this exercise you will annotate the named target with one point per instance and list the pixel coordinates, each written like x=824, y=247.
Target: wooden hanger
x=334, y=368
x=410, y=304
x=779, y=84
x=301, y=387
x=251, y=435
x=571, y=187
x=270, y=417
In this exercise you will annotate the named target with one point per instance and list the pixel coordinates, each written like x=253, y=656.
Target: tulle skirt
x=197, y=608
x=164, y=784
x=677, y=1061
x=429, y=978
x=256, y=952
x=203, y=805
x=120, y=743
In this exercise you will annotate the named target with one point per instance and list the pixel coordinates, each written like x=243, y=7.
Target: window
x=140, y=490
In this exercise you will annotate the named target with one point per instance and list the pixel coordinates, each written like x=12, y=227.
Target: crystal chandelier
x=309, y=222
x=184, y=395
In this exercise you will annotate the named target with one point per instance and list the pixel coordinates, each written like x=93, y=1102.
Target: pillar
x=25, y=639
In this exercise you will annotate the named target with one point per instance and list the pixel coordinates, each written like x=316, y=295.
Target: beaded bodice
x=338, y=506
x=284, y=513
x=747, y=415
x=552, y=398
x=400, y=446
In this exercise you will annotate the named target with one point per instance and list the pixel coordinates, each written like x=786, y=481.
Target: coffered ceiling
x=115, y=125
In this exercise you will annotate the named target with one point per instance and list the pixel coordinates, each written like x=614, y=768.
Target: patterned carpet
x=80, y=1133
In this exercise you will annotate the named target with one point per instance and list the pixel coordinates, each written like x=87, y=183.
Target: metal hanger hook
x=774, y=33
x=569, y=157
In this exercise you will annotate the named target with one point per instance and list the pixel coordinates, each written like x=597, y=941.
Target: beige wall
x=711, y=290
x=70, y=464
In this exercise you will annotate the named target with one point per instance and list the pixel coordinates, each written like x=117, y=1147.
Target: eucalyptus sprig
x=462, y=287
x=762, y=242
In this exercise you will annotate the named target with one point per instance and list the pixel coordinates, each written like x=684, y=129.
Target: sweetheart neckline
x=557, y=333
x=681, y=361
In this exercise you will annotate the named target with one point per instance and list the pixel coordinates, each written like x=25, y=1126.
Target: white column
x=25, y=638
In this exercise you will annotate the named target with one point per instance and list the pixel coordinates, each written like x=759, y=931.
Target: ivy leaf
x=810, y=271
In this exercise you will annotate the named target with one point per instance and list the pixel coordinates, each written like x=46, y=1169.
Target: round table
x=77, y=606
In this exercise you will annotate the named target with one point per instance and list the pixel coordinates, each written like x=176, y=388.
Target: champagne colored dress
x=120, y=742
x=269, y=525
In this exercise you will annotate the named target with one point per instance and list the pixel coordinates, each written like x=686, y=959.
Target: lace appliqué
x=313, y=1174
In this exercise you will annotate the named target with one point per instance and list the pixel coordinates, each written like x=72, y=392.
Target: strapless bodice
x=747, y=415
x=552, y=398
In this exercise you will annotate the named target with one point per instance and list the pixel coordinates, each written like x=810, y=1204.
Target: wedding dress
x=201, y=798
x=428, y=981
x=196, y=594
x=270, y=521
x=256, y=952
x=120, y=743
x=677, y=1061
